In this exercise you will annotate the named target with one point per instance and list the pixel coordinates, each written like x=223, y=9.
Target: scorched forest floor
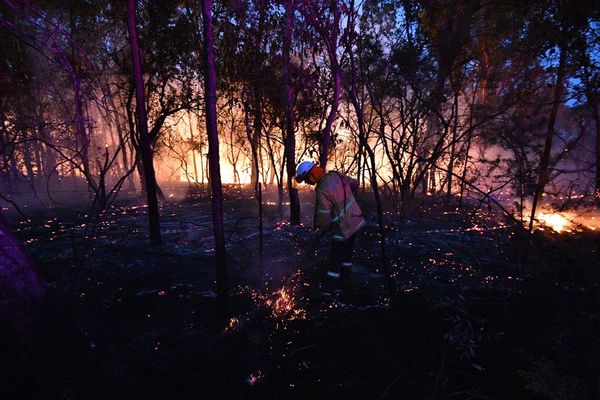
x=131, y=321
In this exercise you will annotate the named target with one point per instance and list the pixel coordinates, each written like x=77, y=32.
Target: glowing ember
x=255, y=377
x=234, y=323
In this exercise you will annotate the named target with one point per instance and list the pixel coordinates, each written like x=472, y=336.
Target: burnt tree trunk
x=594, y=106
x=146, y=151
x=200, y=149
x=375, y=186
x=193, y=146
x=252, y=138
x=329, y=36
x=123, y=143
x=452, y=150
x=362, y=135
x=545, y=160
x=256, y=106
x=290, y=138
x=210, y=88
x=331, y=118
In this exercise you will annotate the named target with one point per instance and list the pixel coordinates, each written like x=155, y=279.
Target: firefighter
x=336, y=211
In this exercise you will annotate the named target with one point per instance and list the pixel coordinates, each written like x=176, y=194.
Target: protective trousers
x=341, y=255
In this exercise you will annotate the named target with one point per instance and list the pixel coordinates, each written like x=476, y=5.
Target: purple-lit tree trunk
x=146, y=152
x=290, y=138
x=210, y=88
x=20, y=287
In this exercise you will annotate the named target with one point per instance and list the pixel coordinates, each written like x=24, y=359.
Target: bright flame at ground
x=555, y=221
x=566, y=221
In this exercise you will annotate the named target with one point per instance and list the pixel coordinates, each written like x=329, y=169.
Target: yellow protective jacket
x=336, y=207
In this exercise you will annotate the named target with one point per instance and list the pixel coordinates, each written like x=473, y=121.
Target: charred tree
x=544, y=172
x=252, y=138
x=375, y=186
x=594, y=106
x=193, y=147
x=452, y=160
x=290, y=138
x=210, y=87
x=144, y=138
x=351, y=88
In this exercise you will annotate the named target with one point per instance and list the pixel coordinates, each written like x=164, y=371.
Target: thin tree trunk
x=49, y=158
x=290, y=138
x=193, y=146
x=351, y=88
x=257, y=114
x=330, y=38
x=146, y=151
x=333, y=112
x=254, y=139
x=544, y=162
x=29, y=163
x=594, y=105
x=257, y=185
x=200, y=147
x=452, y=150
x=124, y=155
x=210, y=87
x=133, y=135
x=466, y=165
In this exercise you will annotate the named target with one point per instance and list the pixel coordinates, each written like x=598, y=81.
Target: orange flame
x=556, y=221
x=283, y=305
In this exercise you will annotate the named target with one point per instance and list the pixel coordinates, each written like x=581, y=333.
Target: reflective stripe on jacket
x=336, y=207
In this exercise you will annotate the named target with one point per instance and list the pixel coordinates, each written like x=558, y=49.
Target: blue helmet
x=303, y=169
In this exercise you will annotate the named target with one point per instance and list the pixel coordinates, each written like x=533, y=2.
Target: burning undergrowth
x=571, y=221
x=282, y=305
x=559, y=217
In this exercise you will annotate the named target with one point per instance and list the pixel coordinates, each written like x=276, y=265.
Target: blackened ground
x=131, y=321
